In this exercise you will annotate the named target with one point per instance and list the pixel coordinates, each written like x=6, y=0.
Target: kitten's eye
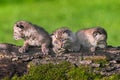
x=55, y=42
x=62, y=40
x=20, y=26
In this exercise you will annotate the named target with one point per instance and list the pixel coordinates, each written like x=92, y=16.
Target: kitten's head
x=62, y=38
x=19, y=28
x=100, y=35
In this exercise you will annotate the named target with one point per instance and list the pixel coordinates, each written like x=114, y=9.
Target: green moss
x=82, y=73
x=101, y=62
x=63, y=71
x=47, y=72
x=112, y=77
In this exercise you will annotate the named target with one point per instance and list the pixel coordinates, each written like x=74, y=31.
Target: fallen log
x=12, y=62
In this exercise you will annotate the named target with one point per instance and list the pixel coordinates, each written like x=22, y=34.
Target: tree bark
x=12, y=62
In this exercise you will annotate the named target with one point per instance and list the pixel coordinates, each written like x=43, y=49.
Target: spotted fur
x=64, y=40
x=92, y=38
x=32, y=35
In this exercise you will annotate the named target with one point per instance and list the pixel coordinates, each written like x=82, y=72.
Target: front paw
x=45, y=51
x=22, y=50
x=93, y=49
x=59, y=51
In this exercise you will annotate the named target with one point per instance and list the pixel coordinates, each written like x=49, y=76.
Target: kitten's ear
x=51, y=35
x=96, y=33
x=68, y=32
x=20, y=26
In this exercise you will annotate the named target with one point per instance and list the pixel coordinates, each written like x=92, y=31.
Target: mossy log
x=12, y=62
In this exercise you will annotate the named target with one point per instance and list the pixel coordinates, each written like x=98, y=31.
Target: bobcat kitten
x=92, y=38
x=32, y=35
x=64, y=40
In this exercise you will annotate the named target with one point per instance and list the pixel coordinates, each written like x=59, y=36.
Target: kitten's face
x=62, y=41
x=100, y=38
x=21, y=29
x=18, y=32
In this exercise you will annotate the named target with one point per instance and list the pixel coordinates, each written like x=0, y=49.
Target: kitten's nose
x=61, y=45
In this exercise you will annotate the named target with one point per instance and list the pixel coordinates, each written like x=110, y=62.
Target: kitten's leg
x=24, y=48
x=45, y=48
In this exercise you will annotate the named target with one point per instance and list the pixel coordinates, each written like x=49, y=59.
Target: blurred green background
x=52, y=14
